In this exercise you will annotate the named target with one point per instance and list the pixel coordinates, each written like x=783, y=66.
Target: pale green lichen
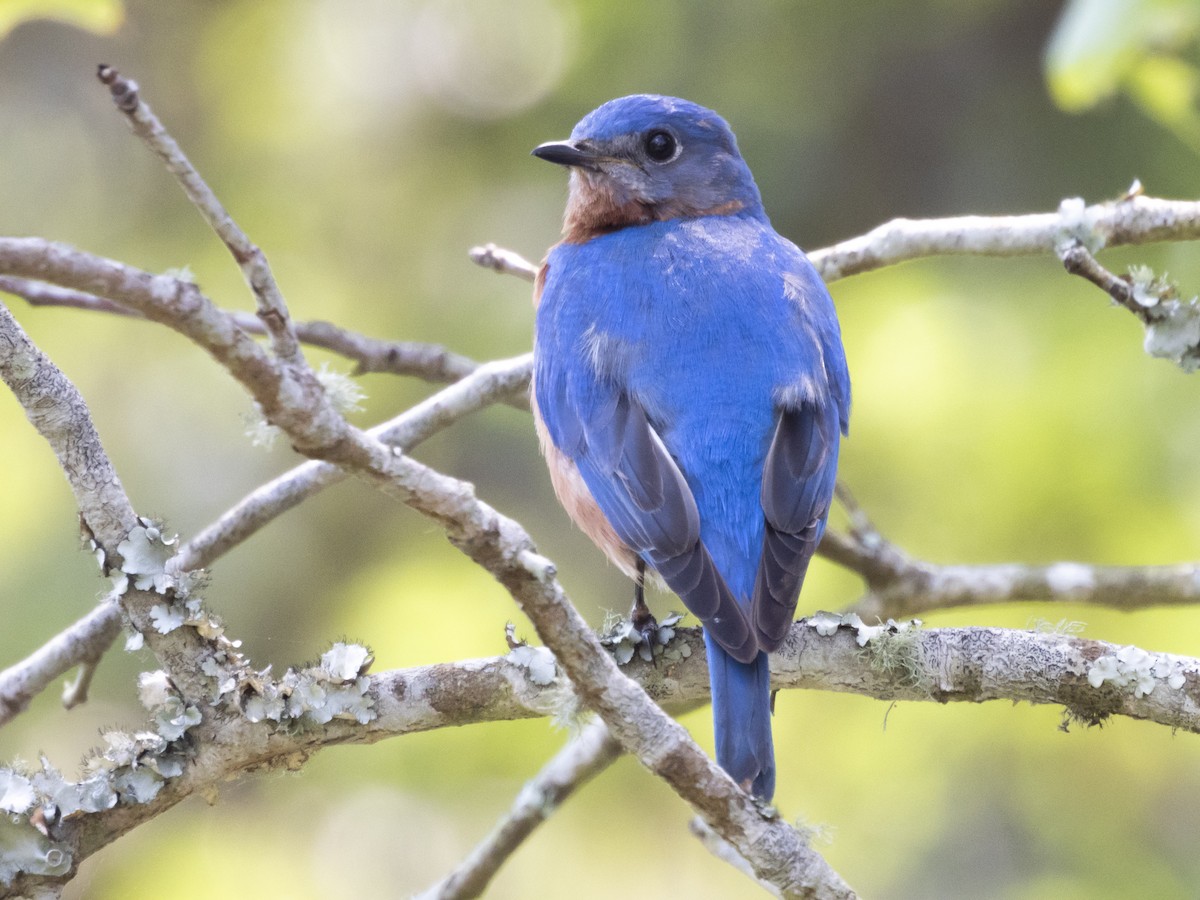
x=891, y=647
x=345, y=394
x=1139, y=670
x=539, y=662
x=145, y=553
x=336, y=688
x=624, y=640
x=1172, y=325
x=132, y=769
x=167, y=618
x=262, y=433
x=1077, y=222
x=24, y=849
x=1149, y=289
x=897, y=653
x=1175, y=335
x=16, y=792
x=180, y=273
x=827, y=624
x=167, y=708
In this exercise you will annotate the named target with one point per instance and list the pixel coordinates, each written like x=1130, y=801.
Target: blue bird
x=690, y=390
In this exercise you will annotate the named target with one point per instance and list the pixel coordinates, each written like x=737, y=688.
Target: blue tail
x=741, y=701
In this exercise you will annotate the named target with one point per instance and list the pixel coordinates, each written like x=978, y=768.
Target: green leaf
x=1098, y=45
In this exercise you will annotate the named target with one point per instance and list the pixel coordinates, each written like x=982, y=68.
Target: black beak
x=566, y=153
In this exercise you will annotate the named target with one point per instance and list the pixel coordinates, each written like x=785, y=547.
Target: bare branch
x=487, y=384
x=1130, y=220
x=503, y=261
x=1078, y=261
x=1074, y=232
x=281, y=391
x=585, y=756
x=428, y=361
x=271, y=308
x=899, y=586
x=39, y=293
x=83, y=643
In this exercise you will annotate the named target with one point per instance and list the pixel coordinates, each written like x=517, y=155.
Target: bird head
x=647, y=158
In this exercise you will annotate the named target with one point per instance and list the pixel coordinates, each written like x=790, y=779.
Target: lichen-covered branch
x=126, y=544
x=585, y=756
x=1091, y=680
x=55, y=408
x=1172, y=325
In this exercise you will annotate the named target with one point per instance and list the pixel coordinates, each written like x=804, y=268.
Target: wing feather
x=645, y=497
x=798, y=479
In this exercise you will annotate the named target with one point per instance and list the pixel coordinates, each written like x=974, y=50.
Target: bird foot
x=644, y=623
x=641, y=635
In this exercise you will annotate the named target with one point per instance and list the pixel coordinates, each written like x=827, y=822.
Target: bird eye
x=661, y=146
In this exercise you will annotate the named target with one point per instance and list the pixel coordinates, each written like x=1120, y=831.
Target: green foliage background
x=1003, y=410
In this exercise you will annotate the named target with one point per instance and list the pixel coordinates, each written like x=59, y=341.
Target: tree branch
x=428, y=361
x=487, y=384
x=60, y=415
x=84, y=642
x=586, y=755
x=1093, y=680
x=899, y=586
x=237, y=735
x=1129, y=220
x=271, y=308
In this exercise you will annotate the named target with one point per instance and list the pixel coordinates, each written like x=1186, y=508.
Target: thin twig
x=585, y=756
x=1129, y=220
x=253, y=263
x=428, y=361
x=899, y=586
x=84, y=641
x=487, y=384
x=506, y=262
x=1078, y=261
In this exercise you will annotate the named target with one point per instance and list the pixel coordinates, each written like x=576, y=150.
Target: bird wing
x=798, y=480
x=801, y=464
x=643, y=494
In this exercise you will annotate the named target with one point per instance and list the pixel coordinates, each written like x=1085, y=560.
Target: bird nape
x=690, y=390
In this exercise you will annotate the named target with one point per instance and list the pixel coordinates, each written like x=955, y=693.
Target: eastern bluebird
x=690, y=389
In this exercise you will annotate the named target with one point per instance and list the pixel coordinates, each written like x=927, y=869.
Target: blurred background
x=1003, y=410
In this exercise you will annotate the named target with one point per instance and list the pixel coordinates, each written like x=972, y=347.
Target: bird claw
x=644, y=624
